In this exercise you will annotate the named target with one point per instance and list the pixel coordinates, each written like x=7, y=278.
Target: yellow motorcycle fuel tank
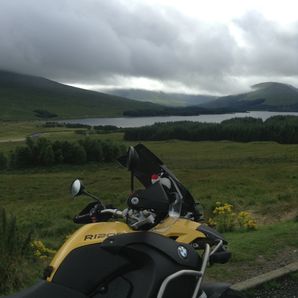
x=182, y=230
x=88, y=234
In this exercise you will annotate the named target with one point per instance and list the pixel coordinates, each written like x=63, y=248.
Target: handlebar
x=78, y=218
x=95, y=212
x=113, y=212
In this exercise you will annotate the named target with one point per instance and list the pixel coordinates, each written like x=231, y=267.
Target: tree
x=21, y=157
x=3, y=161
x=93, y=149
x=46, y=155
x=79, y=155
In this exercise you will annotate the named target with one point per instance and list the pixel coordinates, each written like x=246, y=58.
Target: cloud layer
x=100, y=42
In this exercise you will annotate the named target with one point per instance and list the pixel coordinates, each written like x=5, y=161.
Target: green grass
x=22, y=129
x=21, y=95
x=41, y=200
x=258, y=251
x=260, y=177
x=13, y=133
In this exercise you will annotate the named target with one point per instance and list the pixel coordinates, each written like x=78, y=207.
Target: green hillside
x=163, y=98
x=24, y=97
x=275, y=94
x=264, y=96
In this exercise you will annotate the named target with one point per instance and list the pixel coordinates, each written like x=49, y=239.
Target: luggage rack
x=198, y=274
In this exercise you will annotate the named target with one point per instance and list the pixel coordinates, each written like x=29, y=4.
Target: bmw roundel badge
x=182, y=252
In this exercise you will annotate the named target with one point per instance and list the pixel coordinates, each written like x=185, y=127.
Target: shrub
x=224, y=217
x=15, y=251
x=21, y=157
x=246, y=221
x=109, y=151
x=47, y=156
x=79, y=155
x=93, y=149
x=40, y=250
x=3, y=161
x=226, y=220
x=43, y=152
x=18, y=250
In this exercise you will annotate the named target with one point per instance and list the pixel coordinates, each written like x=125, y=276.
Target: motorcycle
x=157, y=247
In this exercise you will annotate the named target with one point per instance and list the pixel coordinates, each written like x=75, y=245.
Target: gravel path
x=286, y=287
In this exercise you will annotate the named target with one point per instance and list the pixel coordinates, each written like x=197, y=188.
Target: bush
x=42, y=152
x=226, y=220
x=46, y=156
x=3, y=161
x=18, y=251
x=15, y=253
x=246, y=221
x=79, y=155
x=93, y=149
x=224, y=217
x=21, y=157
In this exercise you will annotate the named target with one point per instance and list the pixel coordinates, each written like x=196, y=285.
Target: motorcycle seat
x=45, y=289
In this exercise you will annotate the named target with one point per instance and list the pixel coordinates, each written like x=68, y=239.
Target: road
x=286, y=287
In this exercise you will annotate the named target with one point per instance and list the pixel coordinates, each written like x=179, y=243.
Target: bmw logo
x=182, y=252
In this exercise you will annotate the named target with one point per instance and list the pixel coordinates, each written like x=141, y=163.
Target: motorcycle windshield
x=148, y=164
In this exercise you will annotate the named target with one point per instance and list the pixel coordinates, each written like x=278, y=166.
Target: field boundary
x=266, y=277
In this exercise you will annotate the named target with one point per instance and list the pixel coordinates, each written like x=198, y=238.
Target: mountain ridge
x=164, y=98
x=22, y=95
x=273, y=96
x=26, y=97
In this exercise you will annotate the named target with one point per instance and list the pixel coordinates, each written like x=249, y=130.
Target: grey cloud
x=91, y=41
x=272, y=51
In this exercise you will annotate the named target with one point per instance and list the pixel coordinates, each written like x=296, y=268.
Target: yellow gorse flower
x=246, y=221
x=226, y=220
x=40, y=250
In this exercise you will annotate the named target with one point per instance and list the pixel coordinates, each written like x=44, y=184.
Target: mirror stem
x=131, y=181
x=93, y=197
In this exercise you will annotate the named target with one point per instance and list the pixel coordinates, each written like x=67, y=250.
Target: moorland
x=258, y=177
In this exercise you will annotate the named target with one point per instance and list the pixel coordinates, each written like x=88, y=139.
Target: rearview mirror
x=132, y=159
x=77, y=188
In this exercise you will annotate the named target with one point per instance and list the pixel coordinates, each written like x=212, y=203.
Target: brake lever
x=77, y=218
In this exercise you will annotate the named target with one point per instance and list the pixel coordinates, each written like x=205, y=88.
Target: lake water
x=142, y=121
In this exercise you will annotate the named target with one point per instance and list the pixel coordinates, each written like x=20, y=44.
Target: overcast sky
x=208, y=46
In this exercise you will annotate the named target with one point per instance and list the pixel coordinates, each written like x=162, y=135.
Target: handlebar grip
x=77, y=218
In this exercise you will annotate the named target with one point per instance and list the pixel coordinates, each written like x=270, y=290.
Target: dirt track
x=12, y=140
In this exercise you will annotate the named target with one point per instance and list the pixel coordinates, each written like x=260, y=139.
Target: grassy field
x=259, y=177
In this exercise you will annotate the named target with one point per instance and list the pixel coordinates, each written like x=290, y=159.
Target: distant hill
x=269, y=96
x=163, y=98
x=24, y=97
